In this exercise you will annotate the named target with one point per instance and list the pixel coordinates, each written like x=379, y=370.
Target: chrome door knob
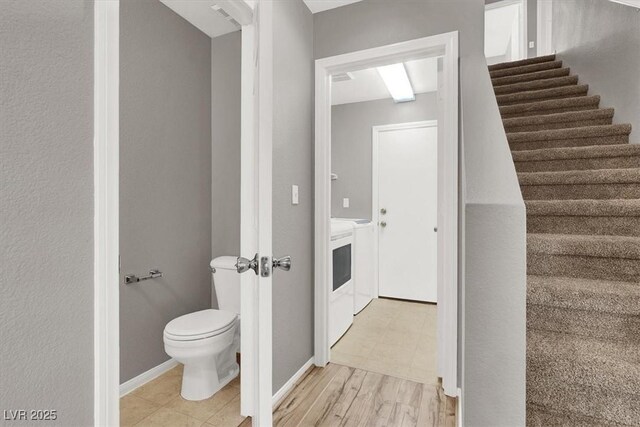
x=383, y=211
x=383, y=224
x=283, y=263
x=243, y=264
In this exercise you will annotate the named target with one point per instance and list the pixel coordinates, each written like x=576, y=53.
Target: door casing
x=445, y=45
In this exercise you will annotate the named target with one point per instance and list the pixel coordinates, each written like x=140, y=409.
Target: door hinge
x=265, y=266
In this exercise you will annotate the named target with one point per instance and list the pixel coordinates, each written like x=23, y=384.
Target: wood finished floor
x=344, y=396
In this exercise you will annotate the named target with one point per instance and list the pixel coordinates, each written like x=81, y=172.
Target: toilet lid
x=200, y=324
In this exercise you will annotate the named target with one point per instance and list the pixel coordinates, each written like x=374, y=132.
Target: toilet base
x=199, y=383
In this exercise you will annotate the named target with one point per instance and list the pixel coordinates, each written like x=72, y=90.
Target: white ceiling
x=498, y=29
x=367, y=85
x=201, y=15
x=316, y=6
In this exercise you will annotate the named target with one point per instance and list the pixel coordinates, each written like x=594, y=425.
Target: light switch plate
x=532, y=44
x=345, y=202
x=294, y=195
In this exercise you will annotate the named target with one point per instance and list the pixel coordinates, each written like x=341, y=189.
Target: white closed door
x=407, y=210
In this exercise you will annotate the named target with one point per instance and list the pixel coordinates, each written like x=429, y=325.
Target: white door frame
x=375, y=164
x=256, y=208
x=524, y=45
x=445, y=45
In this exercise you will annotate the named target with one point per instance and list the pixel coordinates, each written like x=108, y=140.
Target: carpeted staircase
x=580, y=179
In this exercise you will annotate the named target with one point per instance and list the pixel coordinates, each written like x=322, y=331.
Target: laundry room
x=382, y=310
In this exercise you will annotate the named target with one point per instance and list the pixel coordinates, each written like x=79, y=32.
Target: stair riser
x=505, y=100
x=577, y=192
x=557, y=395
x=526, y=69
x=560, y=125
x=608, y=326
x=536, y=85
x=579, y=142
x=579, y=164
x=585, y=225
x=584, y=267
x=542, y=112
x=521, y=62
x=522, y=78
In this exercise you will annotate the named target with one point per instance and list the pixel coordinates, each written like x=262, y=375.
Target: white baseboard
x=459, y=407
x=145, y=377
x=285, y=389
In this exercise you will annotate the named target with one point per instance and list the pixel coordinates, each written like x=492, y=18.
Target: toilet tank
x=226, y=283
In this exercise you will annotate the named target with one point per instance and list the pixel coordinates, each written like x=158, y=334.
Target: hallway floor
x=341, y=395
x=392, y=337
x=159, y=404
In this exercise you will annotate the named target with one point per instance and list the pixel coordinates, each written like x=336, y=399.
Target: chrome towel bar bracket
x=132, y=278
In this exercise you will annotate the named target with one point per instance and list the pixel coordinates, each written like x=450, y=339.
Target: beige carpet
x=580, y=179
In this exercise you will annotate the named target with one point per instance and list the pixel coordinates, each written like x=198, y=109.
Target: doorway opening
x=386, y=191
x=161, y=280
x=505, y=31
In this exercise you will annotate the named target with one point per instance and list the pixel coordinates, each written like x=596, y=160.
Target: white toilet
x=206, y=341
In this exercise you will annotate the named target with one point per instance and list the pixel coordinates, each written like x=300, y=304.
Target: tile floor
x=392, y=337
x=159, y=404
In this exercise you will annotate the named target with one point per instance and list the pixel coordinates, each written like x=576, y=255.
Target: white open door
x=256, y=183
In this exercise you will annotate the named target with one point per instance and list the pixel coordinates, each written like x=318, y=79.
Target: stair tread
x=604, y=207
x=584, y=152
x=541, y=416
x=520, y=62
x=571, y=116
x=581, y=177
x=592, y=245
x=571, y=133
x=550, y=93
x=552, y=104
x=525, y=69
x=603, y=364
x=528, y=77
x=536, y=85
x=606, y=296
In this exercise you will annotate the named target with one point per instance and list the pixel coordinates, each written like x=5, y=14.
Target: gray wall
x=600, y=41
x=492, y=313
x=351, y=153
x=292, y=164
x=46, y=209
x=225, y=151
x=165, y=176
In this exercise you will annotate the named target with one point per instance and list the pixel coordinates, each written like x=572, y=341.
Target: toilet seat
x=200, y=325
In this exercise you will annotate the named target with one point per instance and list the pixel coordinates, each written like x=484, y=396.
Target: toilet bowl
x=206, y=341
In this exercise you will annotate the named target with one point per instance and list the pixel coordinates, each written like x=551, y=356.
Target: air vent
x=225, y=15
x=341, y=77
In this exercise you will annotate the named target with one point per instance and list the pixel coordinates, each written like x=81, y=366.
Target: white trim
x=375, y=163
x=459, y=417
x=289, y=385
x=145, y=377
x=631, y=3
x=106, y=215
x=443, y=44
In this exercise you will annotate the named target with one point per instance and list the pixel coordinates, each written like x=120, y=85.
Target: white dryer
x=364, y=262
x=340, y=287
